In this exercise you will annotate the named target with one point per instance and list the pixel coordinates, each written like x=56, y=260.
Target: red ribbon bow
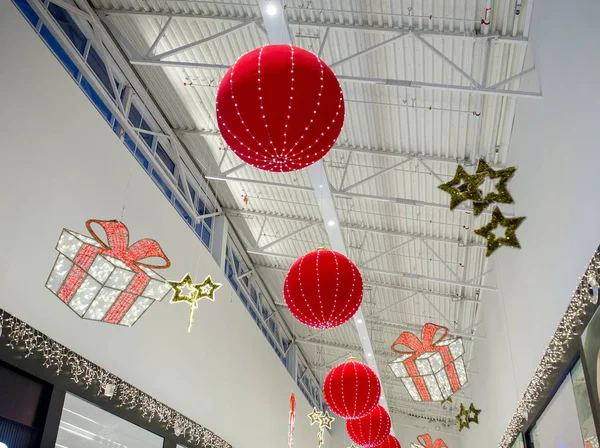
x=426, y=441
x=419, y=346
x=117, y=245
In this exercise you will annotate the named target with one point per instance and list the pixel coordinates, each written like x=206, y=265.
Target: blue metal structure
x=72, y=40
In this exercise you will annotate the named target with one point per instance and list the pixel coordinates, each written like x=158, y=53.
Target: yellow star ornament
x=326, y=420
x=510, y=237
x=191, y=293
x=315, y=416
x=463, y=418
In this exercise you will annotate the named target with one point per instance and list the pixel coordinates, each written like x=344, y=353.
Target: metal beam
x=448, y=61
x=161, y=33
x=185, y=47
x=322, y=45
x=357, y=227
x=451, y=297
x=338, y=26
x=413, y=202
x=408, y=275
x=373, y=152
x=177, y=64
x=285, y=237
x=367, y=50
x=512, y=78
x=377, y=174
x=435, y=86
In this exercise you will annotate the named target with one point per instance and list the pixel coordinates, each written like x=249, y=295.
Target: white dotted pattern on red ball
x=279, y=161
x=331, y=321
x=336, y=407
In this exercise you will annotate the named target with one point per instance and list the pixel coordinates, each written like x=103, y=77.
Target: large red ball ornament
x=323, y=289
x=351, y=390
x=370, y=430
x=390, y=442
x=280, y=108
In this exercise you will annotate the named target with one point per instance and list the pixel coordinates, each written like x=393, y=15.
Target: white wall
x=61, y=165
x=556, y=147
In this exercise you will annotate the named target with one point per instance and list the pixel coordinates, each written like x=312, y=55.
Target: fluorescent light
x=272, y=8
x=359, y=321
x=76, y=433
x=82, y=416
x=331, y=223
x=369, y=354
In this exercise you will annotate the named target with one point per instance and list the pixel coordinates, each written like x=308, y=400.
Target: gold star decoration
x=447, y=400
x=509, y=239
x=463, y=187
x=191, y=293
x=475, y=414
x=463, y=418
x=501, y=195
x=323, y=419
x=326, y=420
x=315, y=416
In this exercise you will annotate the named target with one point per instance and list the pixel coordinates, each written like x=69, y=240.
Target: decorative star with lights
x=191, y=293
x=510, y=238
x=207, y=289
x=501, y=195
x=473, y=415
x=463, y=418
x=463, y=187
x=315, y=416
x=326, y=420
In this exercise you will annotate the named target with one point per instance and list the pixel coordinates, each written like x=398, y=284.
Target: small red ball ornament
x=323, y=289
x=390, y=442
x=280, y=108
x=370, y=430
x=351, y=390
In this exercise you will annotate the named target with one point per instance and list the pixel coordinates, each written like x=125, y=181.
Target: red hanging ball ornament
x=390, y=442
x=280, y=108
x=370, y=430
x=323, y=289
x=351, y=390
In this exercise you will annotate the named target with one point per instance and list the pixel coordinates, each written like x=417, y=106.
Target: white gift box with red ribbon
x=430, y=370
x=107, y=281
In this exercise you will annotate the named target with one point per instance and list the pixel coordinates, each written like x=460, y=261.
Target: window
x=567, y=421
x=84, y=425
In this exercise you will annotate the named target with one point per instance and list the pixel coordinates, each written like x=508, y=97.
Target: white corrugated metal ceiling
x=421, y=261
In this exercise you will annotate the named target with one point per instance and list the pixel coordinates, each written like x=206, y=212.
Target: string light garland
x=280, y=108
x=107, y=281
x=510, y=237
x=323, y=289
x=190, y=293
x=351, y=389
x=431, y=369
x=370, y=430
x=501, y=195
x=30, y=342
x=426, y=441
x=570, y=327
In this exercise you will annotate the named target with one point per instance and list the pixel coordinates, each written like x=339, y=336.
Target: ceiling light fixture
x=272, y=8
x=359, y=321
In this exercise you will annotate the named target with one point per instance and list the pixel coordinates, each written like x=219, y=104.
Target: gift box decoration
x=107, y=282
x=425, y=441
x=431, y=370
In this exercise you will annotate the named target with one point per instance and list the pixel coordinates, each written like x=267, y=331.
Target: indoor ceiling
x=427, y=85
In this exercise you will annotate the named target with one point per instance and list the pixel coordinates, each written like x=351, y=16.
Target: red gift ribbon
x=426, y=344
x=117, y=246
x=426, y=441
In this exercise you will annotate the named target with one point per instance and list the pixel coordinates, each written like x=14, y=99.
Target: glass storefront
x=84, y=425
